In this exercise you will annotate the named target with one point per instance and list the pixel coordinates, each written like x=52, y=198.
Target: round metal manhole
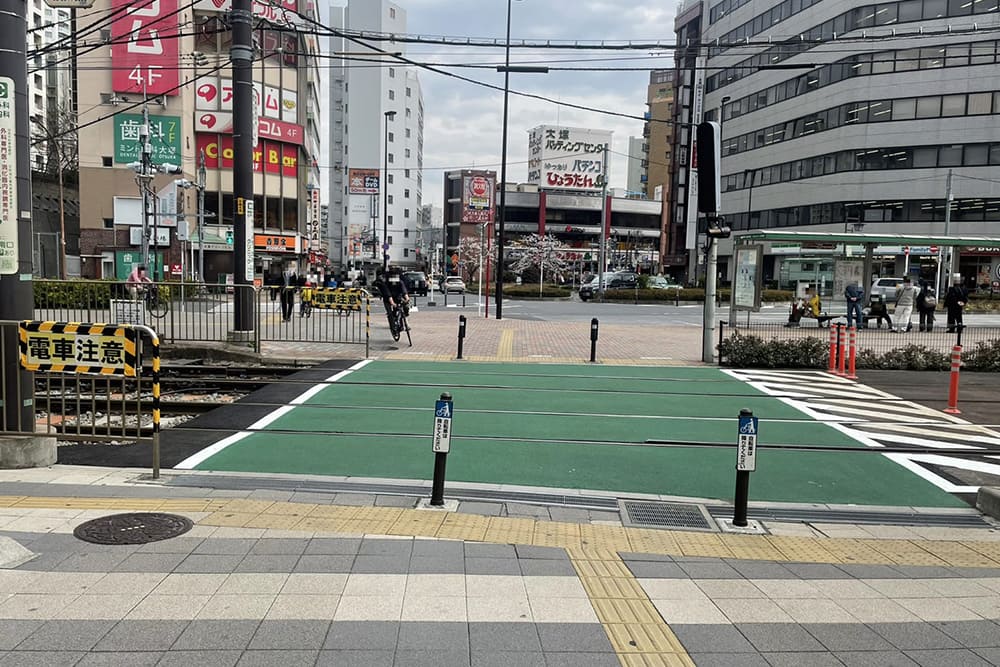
x=134, y=528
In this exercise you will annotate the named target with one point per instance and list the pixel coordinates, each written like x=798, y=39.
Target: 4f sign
x=443, y=411
x=746, y=445
x=8, y=178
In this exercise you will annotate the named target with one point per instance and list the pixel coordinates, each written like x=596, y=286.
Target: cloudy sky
x=462, y=121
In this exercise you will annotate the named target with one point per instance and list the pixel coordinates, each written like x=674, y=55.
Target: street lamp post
x=389, y=115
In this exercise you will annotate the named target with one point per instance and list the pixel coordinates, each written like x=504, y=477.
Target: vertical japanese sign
x=477, y=198
x=697, y=104
x=8, y=179
x=248, y=269
x=145, y=47
x=746, y=444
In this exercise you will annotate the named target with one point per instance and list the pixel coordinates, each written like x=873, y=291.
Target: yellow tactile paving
x=613, y=587
x=464, y=527
x=990, y=550
x=956, y=553
x=903, y=551
x=505, y=349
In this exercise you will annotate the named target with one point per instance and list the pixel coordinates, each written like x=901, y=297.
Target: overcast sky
x=462, y=121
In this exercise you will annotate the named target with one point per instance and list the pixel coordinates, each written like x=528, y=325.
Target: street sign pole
x=746, y=462
x=441, y=444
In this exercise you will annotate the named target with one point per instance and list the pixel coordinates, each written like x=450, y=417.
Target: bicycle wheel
x=157, y=307
x=394, y=325
x=404, y=325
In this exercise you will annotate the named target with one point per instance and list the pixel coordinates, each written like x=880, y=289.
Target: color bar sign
x=8, y=178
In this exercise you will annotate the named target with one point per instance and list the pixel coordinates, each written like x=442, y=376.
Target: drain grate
x=646, y=514
x=135, y=528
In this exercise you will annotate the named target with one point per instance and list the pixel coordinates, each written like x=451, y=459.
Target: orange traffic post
x=841, y=350
x=833, y=348
x=851, y=353
x=956, y=365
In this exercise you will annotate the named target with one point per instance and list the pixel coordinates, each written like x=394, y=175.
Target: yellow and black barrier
x=339, y=298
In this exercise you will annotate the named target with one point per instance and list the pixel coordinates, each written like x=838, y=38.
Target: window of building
x=392, y=94
x=407, y=112
x=406, y=252
x=928, y=107
x=109, y=223
x=406, y=193
x=924, y=157
x=406, y=231
x=107, y=161
x=388, y=221
x=389, y=198
x=905, y=109
x=406, y=172
x=392, y=72
x=406, y=213
x=409, y=93
x=407, y=152
x=979, y=103
x=977, y=155
x=407, y=133
x=950, y=156
x=392, y=136
x=392, y=12
x=953, y=105
x=389, y=158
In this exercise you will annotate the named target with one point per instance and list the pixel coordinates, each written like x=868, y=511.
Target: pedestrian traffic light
x=708, y=152
x=229, y=236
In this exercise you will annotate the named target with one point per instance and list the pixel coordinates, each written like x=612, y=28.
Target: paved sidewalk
x=261, y=582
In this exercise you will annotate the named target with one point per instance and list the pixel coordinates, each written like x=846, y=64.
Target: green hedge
x=83, y=293
x=531, y=291
x=689, y=294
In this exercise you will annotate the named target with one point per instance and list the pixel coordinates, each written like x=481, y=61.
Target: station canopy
x=858, y=238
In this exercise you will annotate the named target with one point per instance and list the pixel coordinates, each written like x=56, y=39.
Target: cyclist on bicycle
x=392, y=289
x=136, y=281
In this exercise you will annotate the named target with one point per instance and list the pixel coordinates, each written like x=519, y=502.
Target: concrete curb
x=988, y=501
x=27, y=451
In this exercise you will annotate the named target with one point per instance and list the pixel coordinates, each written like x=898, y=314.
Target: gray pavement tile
x=926, y=571
x=369, y=635
x=644, y=569
x=213, y=635
x=874, y=659
x=653, y=558
x=478, y=550
x=507, y=659
x=48, y=542
x=66, y=636
x=578, y=659
x=709, y=638
x=208, y=563
x=492, y=566
x=437, y=565
x=477, y=507
x=972, y=634
x=424, y=658
x=45, y=561
x=313, y=497
x=583, y=637
x=547, y=568
x=199, y=658
x=992, y=655
x=914, y=636
x=847, y=637
x=352, y=658
x=728, y=660
x=369, y=564
x=283, y=634
x=41, y=658
x=976, y=572
x=333, y=546
x=527, y=551
x=503, y=637
x=355, y=499
x=433, y=636
x=396, y=501
x=438, y=548
x=90, y=561
x=816, y=571
x=525, y=510
x=270, y=494
x=267, y=563
x=175, y=545
x=859, y=571
x=377, y=547
x=758, y=569
x=598, y=515
x=779, y=637
x=321, y=564
x=569, y=514
x=226, y=546
x=158, y=635
x=282, y=546
x=960, y=657
x=14, y=631
x=282, y=658
x=150, y=562
x=797, y=659
x=702, y=570
x=123, y=659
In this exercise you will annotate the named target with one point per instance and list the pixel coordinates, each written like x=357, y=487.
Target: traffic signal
x=717, y=228
x=708, y=154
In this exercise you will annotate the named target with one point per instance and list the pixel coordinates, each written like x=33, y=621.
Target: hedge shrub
x=747, y=351
x=985, y=357
x=906, y=358
x=531, y=291
x=689, y=294
x=75, y=294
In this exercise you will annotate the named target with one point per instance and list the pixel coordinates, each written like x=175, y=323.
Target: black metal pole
x=15, y=228
x=461, y=334
x=440, y=461
x=502, y=209
x=742, y=488
x=594, y=325
x=241, y=53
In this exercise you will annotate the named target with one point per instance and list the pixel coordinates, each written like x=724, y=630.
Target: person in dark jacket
x=854, y=294
x=289, y=282
x=955, y=301
x=926, y=303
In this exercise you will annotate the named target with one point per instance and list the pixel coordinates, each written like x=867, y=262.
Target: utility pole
x=202, y=177
x=15, y=214
x=144, y=177
x=602, y=252
x=244, y=111
x=947, y=224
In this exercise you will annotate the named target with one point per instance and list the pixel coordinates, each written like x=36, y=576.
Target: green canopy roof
x=860, y=238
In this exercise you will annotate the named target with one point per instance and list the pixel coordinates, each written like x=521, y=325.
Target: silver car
x=887, y=288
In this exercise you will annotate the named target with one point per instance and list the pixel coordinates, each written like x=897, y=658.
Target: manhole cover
x=666, y=515
x=136, y=528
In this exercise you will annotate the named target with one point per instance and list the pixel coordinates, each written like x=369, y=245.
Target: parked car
x=453, y=284
x=416, y=282
x=610, y=280
x=659, y=282
x=886, y=288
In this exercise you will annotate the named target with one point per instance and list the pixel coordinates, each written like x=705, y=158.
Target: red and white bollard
x=956, y=365
x=833, y=348
x=842, y=350
x=852, y=352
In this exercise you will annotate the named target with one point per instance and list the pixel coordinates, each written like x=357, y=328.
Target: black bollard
x=746, y=462
x=461, y=334
x=441, y=444
x=593, y=340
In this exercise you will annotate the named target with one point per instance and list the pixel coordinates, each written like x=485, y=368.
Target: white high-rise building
x=49, y=74
x=381, y=117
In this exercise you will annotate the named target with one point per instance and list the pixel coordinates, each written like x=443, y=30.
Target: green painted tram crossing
x=564, y=426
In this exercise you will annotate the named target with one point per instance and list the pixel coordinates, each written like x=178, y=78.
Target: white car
x=453, y=284
x=887, y=288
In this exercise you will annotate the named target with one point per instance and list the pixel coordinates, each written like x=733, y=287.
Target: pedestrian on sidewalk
x=906, y=295
x=289, y=281
x=853, y=293
x=955, y=301
x=926, y=303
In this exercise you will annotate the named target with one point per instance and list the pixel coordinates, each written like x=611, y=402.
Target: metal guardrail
x=197, y=313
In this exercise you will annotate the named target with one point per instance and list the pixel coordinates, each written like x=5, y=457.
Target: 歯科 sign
x=8, y=179
x=164, y=138
x=74, y=347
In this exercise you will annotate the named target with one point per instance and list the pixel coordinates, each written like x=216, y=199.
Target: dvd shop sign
x=269, y=156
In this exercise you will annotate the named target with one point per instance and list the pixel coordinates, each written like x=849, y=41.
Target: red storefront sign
x=270, y=156
x=267, y=128
x=145, y=47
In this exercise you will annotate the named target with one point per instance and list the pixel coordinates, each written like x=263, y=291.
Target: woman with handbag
x=926, y=304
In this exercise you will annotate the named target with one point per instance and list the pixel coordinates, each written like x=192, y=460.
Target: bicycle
x=397, y=322
x=155, y=306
